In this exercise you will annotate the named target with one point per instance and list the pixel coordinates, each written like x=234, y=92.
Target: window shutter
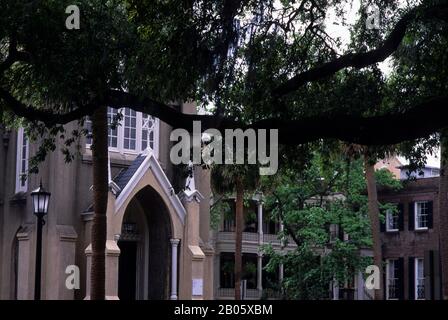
x=436, y=275
x=430, y=215
x=340, y=233
x=428, y=267
x=383, y=222
x=385, y=284
x=411, y=216
x=400, y=287
x=400, y=217
x=411, y=274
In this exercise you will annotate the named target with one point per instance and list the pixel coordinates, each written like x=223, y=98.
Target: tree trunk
x=239, y=217
x=100, y=193
x=443, y=211
x=374, y=217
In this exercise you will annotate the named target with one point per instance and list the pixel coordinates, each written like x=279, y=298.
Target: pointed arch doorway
x=145, y=250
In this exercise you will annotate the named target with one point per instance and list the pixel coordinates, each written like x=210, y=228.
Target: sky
x=339, y=28
x=433, y=160
x=335, y=27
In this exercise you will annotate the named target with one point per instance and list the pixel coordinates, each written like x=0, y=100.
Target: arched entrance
x=145, y=261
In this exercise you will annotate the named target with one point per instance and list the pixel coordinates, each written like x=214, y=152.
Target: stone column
x=282, y=228
x=280, y=278
x=62, y=249
x=260, y=221
x=280, y=272
x=335, y=290
x=25, y=271
x=361, y=295
x=112, y=261
x=216, y=272
x=174, y=245
x=259, y=273
x=194, y=257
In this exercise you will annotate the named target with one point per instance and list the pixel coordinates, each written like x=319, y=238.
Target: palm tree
x=374, y=217
x=236, y=179
x=100, y=192
x=352, y=151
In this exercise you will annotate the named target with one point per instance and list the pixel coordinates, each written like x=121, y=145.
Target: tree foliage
x=272, y=64
x=263, y=64
x=330, y=192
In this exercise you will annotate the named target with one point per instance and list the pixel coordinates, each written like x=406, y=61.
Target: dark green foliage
x=228, y=56
x=329, y=192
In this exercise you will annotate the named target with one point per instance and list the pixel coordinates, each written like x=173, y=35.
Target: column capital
x=175, y=242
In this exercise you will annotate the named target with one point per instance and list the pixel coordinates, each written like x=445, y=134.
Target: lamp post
x=40, y=199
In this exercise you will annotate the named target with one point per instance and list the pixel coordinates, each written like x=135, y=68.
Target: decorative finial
x=189, y=184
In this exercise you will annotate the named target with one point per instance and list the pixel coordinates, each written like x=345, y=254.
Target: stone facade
x=158, y=237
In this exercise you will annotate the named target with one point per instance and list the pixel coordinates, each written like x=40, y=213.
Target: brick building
x=410, y=241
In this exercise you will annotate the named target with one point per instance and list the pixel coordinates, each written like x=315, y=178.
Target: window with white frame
x=421, y=215
x=392, y=279
x=419, y=279
x=22, y=161
x=130, y=129
x=435, y=172
x=113, y=127
x=391, y=220
x=134, y=133
x=148, y=131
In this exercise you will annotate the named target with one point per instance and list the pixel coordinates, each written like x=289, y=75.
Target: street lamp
x=40, y=198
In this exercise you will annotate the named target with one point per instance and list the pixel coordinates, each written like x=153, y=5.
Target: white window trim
x=388, y=264
x=114, y=149
x=19, y=157
x=138, y=134
x=416, y=277
x=138, y=145
x=435, y=172
x=388, y=214
x=416, y=227
x=156, y=131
